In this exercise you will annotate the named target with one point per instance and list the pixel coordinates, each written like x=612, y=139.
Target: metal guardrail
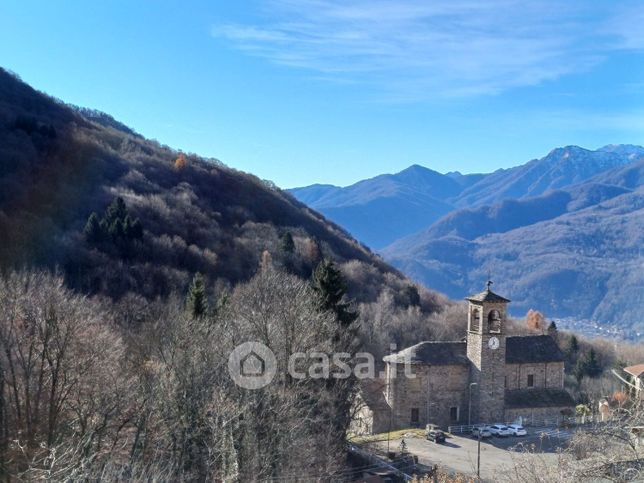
x=530, y=422
x=464, y=428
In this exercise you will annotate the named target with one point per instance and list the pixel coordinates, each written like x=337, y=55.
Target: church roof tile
x=538, y=398
x=487, y=296
x=525, y=349
x=432, y=352
x=532, y=348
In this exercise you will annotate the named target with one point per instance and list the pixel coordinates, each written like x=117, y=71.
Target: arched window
x=494, y=321
x=475, y=320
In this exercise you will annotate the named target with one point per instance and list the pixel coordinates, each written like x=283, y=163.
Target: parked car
x=484, y=430
x=517, y=430
x=500, y=430
x=436, y=435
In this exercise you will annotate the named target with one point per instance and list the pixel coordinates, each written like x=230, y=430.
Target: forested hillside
x=130, y=271
x=59, y=165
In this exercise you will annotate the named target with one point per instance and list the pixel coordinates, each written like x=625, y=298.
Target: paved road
x=459, y=453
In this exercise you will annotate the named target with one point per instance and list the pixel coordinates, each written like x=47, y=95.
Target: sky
x=322, y=91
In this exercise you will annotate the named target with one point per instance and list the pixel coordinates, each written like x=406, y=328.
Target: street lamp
x=469, y=407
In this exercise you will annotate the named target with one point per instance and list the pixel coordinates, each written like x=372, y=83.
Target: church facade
x=487, y=377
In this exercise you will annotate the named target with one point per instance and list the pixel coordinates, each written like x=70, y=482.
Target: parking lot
x=459, y=452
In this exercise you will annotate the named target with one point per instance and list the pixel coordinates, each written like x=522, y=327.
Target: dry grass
x=373, y=438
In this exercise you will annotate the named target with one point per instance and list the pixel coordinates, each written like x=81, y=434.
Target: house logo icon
x=252, y=365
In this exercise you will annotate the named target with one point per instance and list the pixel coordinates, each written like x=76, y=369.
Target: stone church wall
x=433, y=392
x=549, y=374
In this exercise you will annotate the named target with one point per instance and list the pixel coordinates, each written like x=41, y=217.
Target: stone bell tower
x=486, y=319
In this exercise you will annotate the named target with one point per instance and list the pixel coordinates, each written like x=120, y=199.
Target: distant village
x=592, y=328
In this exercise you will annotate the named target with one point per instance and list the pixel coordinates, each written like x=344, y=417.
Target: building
x=637, y=374
x=487, y=377
x=371, y=412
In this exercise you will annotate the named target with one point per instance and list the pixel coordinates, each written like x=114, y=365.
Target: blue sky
x=320, y=91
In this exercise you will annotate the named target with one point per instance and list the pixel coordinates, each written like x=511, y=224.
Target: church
x=487, y=377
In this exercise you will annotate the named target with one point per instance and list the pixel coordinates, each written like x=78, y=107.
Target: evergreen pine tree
x=93, y=231
x=552, y=329
x=127, y=227
x=593, y=367
x=136, y=230
x=286, y=243
x=132, y=229
x=105, y=227
x=116, y=211
x=588, y=366
x=331, y=288
x=580, y=370
x=409, y=296
x=573, y=346
x=116, y=229
x=196, y=300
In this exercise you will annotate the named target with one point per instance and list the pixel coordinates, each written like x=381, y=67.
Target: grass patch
x=372, y=438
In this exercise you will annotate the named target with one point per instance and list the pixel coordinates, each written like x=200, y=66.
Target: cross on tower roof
x=487, y=296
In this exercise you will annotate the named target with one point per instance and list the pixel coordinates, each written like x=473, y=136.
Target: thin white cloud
x=625, y=25
x=431, y=48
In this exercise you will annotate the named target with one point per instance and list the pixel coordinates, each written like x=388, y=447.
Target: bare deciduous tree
x=609, y=451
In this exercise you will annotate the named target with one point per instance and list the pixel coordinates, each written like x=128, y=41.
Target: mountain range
x=562, y=233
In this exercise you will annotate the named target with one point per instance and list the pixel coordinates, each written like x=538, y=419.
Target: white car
x=517, y=430
x=484, y=430
x=500, y=430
